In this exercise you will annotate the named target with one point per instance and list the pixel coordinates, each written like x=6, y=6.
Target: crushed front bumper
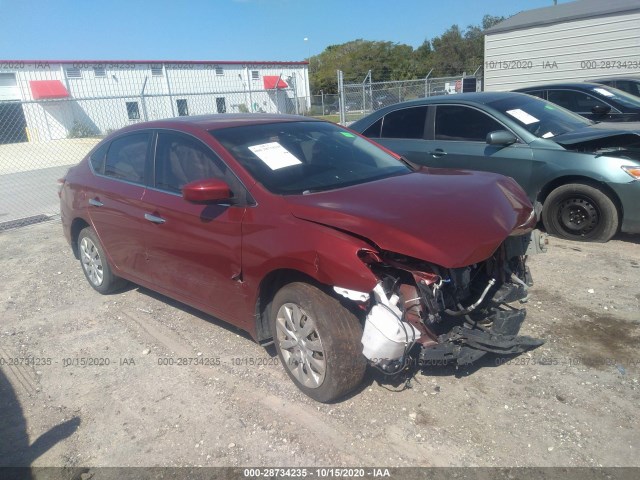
x=463, y=345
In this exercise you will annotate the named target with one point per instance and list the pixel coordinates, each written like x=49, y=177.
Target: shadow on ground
x=15, y=449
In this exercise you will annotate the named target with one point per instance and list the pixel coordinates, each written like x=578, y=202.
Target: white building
x=574, y=41
x=47, y=100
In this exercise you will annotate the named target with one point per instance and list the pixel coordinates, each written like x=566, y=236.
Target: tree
x=388, y=61
x=453, y=52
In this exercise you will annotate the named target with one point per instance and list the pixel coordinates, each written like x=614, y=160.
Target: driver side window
x=578, y=102
x=461, y=123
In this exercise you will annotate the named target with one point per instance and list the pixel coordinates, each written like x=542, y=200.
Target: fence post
x=144, y=104
x=475, y=74
x=364, y=98
x=426, y=84
x=343, y=116
x=166, y=77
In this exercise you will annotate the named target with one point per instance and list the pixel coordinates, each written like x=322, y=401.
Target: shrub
x=80, y=130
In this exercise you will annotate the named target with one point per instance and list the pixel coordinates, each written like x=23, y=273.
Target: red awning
x=43, y=89
x=271, y=82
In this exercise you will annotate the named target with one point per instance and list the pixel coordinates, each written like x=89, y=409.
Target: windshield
x=306, y=157
x=538, y=116
x=623, y=98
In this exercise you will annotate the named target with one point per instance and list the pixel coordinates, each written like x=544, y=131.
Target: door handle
x=154, y=218
x=438, y=152
x=95, y=202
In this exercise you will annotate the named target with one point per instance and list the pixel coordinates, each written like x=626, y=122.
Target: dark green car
x=585, y=178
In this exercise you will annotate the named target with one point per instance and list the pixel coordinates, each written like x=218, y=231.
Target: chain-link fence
x=359, y=99
x=49, y=120
x=325, y=105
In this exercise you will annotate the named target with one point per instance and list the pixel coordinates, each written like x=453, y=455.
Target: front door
x=194, y=250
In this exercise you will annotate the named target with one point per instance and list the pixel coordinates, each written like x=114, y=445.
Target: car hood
x=452, y=218
x=599, y=135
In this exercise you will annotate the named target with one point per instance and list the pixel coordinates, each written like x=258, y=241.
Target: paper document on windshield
x=274, y=155
x=604, y=92
x=523, y=116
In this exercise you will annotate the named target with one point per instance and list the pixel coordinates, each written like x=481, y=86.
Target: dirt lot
x=572, y=402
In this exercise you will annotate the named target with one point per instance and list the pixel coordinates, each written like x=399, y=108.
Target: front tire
x=94, y=263
x=318, y=341
x=580, y=212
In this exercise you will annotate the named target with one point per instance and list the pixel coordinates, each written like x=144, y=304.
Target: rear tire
x=318, y=341
x=580, y=212
x=95, y=265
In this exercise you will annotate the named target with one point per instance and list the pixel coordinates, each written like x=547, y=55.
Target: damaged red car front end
x=447, y=270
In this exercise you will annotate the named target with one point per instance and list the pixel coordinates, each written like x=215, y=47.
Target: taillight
x=60, y=185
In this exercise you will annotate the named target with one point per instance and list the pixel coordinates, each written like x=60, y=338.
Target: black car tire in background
x=334, y=330
x=580, y=212
x=95, y=265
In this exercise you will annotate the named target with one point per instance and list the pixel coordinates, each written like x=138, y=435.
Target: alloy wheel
x=301, y=345
x=91, y=261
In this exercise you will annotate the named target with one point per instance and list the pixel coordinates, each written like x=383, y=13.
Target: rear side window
x=460, y=123
x=405, y=123
x=374, y=130
x=630, y=87
x=98, y=157
x=126, y=158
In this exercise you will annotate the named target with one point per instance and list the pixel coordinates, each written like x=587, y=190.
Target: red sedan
x=309, y=236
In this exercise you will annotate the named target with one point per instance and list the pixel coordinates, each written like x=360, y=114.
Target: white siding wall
x=522, y=58
x=100, y=102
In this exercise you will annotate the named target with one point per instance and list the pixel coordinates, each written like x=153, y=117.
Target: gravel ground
x=572, y=402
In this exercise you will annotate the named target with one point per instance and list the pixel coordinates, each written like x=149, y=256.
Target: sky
x=259, y=30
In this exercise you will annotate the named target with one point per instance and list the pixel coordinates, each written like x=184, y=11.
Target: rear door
x=402, y=131
x=194, y=250
x=114, y=200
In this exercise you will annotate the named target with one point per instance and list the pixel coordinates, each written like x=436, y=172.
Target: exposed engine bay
x=426, y=314
x=621, y=145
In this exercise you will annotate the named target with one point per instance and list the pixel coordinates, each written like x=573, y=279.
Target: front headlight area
x=632, y=170
x=421, y=312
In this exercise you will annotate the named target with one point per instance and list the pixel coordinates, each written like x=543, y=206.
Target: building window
x=156, y=70
x=133, y=111
x=99, y=72
x=183, y=108
x=255, y=75
x=221, y=105
x=74, y=73
x=219, y=71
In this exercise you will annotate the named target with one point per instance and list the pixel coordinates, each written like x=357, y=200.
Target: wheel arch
x=77, y=226
x=568, y=179
x=267, y=290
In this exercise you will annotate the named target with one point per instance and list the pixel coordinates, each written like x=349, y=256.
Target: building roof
x=220, y=120
x=168, y=62
x=564, y=12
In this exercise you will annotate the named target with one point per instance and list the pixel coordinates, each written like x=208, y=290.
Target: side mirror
x=501, y=137
x=207, y=191
x=600, y=109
